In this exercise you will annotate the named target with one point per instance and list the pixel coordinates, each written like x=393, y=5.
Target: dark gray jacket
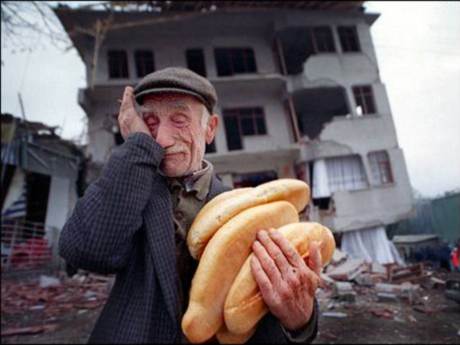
x=124, y=225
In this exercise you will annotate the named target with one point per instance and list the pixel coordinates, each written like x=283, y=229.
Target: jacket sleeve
x=99, y=235
x=308, y=333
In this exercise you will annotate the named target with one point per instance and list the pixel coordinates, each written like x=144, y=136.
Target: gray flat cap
x=177, y=79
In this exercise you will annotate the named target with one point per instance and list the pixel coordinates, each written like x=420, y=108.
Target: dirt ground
x=434, y=320
x=372, y=322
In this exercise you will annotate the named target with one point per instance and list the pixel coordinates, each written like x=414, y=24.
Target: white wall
x=61, y=200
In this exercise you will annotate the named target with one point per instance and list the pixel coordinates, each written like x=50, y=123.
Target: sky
x=418, y=50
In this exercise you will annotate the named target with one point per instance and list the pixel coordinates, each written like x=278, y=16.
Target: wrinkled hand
x=128, y=118
x=287, y=283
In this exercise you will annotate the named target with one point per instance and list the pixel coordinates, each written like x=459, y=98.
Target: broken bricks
x=346, y=271
x=386, y=313
x=49, y=298
x=405, y=291
x=343, y=291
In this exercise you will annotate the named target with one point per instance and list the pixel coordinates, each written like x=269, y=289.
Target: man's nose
x=164, y=136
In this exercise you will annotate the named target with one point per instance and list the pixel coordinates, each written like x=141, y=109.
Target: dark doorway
x=38, y=188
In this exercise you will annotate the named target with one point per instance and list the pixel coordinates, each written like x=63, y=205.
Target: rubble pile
x=47, y=299
x=350, y=286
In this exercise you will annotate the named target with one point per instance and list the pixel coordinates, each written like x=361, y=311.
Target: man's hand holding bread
x=287, y=283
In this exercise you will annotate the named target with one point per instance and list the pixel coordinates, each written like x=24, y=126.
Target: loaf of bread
x=211, y=218
x=244, y=305
x=224, y=196
x=221, y=261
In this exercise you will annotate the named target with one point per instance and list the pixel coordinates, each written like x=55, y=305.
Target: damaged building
x=300, y=95
x=40, y=175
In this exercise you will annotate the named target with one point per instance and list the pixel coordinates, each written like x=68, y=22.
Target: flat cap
x=177, y=79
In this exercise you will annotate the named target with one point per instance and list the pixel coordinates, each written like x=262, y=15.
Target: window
x=322, y=39
x=364, y=99
x=145, y=63
x=230, y=61
x=381, y=168
x=118, y=64
x=243, y=121
x=348, y=39
x=345, y=173
x=195, y=61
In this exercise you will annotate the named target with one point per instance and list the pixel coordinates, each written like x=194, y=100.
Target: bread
x=244, y=305
x=224, y=196
x=224, y=336
x=221, y=261
x=211, y=218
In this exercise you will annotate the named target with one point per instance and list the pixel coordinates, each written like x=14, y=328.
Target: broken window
x=299, y=43
x=253, y=179
x=145, y=63
x=243, y=121
x=381, y=168
x=349, y=39
x=316, y=107
x=322, y=39
x=345, y=173
x=118, y=64
x=195, y=61
x=364, y=99
x=230, y=61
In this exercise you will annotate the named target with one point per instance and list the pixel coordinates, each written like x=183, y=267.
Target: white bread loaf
x=211, y=218
x=221, y=261
x=244, y=305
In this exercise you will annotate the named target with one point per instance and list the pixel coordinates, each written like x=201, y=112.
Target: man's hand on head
x=287, y=283
x=129, y=119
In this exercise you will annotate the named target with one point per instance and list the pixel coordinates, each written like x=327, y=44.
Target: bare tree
x=23, y=21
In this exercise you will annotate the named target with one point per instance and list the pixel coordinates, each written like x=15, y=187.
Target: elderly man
x=133, y=221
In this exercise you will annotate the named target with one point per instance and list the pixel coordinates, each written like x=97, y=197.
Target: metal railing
x=28, y=246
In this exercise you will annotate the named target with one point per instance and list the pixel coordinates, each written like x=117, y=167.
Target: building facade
x=299, y=90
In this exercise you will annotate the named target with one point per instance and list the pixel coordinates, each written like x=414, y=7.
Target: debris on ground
x=48, y=298
x=334, y=314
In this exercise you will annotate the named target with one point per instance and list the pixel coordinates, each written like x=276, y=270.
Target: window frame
x=340, y=180
x=230, y=58
x=315, y=35
x=380, y=164
x=255, y=114
x=364, y=97
x=120, y=67
x=139, y=58
x=194, y=51
x=348, y=36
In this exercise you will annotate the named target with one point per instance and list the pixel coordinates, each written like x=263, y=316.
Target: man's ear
x=211, y=128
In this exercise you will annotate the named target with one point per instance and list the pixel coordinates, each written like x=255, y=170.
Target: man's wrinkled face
x=182, y=126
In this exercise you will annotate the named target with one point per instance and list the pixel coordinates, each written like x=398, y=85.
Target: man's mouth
x=173, y=154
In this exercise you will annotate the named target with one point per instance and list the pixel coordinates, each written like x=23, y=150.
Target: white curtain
x=371, y=245
x=346, y=173
x=320, y=181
